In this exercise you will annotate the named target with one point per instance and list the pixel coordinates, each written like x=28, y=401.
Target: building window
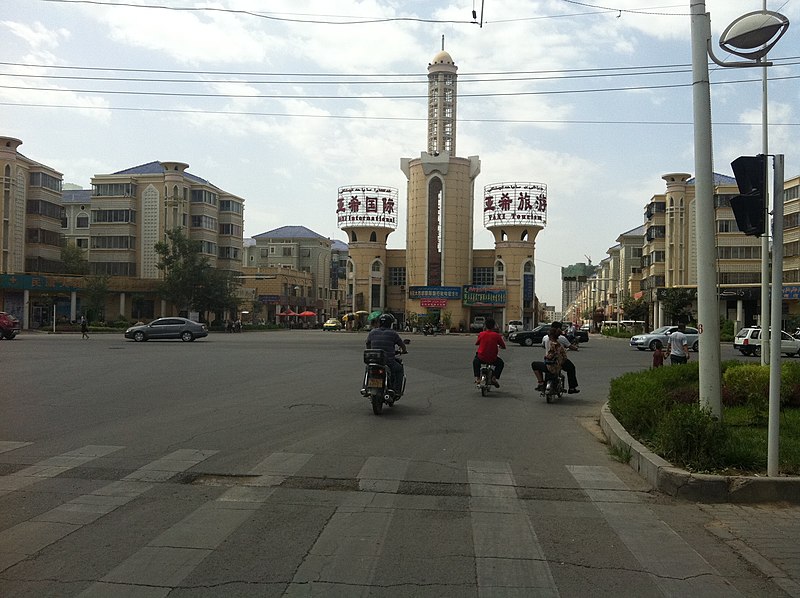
x=82, y=221
x=376, y=267
x=82, y=243
x=287, y=252
x=397, y=277
x=483, y=276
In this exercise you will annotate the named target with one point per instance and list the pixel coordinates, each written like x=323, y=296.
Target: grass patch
x=620, y=452
x=660, y=408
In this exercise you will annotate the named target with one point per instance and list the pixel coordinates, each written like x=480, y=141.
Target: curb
x=697, y=487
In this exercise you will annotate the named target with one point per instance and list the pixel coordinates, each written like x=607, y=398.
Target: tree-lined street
x=249, y=465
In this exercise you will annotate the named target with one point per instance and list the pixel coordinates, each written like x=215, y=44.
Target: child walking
x=658, y=358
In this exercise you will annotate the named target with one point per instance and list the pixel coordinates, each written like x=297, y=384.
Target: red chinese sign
x=364, y=205
x=523, y=204
x=433, y=303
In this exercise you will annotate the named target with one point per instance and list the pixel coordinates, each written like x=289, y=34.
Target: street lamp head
x=754, y=34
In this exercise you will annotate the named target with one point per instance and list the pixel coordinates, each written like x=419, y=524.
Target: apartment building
x=297, y=248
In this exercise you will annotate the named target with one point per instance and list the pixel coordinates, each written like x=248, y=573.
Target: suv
x=477, y=323
x=515, y=326
x=9, y=325
x=660, y=338
x=748, y=342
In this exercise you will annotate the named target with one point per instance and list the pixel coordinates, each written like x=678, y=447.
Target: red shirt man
x=489, y=342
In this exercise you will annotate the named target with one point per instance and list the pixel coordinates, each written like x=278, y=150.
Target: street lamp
x=751, y=36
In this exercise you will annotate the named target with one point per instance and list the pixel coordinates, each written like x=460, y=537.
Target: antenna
x=442, y=42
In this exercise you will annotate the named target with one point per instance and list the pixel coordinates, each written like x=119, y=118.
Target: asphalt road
x=249, y=465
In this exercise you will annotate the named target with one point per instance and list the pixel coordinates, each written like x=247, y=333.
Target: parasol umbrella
x=362, y=312
x=288, y=312
x=306, y=314
x=376, y=314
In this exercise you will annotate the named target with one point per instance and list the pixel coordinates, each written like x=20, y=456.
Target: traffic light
x=749, y=206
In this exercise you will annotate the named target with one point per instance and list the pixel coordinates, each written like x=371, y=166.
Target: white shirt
x=563, y=341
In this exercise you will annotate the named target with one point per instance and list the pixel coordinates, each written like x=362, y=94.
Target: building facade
x=439, y=275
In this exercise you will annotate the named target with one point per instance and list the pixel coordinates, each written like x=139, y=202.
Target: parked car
x=748, y=342
x=515, y=326
x=173, y=327
x=332, y=324
x=477, y=323
x=9, y=325
x=660, y=338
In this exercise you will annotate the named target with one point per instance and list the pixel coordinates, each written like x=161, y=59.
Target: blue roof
x=719, y=179
x=76, y=196
x=337, y=245
x=157, y=168
x=290, y=232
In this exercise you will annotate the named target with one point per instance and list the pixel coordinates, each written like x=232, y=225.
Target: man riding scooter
x=539, y=367
x=386, y=339
x=489, y=342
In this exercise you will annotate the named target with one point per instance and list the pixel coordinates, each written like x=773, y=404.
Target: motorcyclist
x=386, y=339
x=489, y=341
x=539, y=367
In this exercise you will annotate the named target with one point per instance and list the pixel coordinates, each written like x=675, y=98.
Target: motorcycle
x=487, y=373
x=378, y=385
x=554, y=384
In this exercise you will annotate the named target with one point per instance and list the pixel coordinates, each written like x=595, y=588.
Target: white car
x=514, y=326
x=748, y=342
x=660, y=338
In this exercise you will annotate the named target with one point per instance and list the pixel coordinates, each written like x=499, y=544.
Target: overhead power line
x=385, y=118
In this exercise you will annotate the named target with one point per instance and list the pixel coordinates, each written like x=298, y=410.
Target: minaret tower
x=441, y=189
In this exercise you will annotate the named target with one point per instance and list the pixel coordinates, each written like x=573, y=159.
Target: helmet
x=385, y=321
x=557, y=324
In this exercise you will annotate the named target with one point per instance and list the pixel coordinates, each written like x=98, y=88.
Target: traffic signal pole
x=773, y=426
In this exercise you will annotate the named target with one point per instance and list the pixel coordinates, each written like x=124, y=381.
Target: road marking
x=382, y=474
x=11, y=445
x=166, y=467
x=508, y=557
x=29, y=537
x=156, y=569
x=53, y=466
x=675, y=567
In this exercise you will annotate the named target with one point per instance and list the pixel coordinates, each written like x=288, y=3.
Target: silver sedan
x=660, y=338
x=173, y=327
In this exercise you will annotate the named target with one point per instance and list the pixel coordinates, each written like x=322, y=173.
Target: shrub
x=690, y=437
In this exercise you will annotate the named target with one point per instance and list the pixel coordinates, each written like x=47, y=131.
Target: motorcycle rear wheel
x=377, y=404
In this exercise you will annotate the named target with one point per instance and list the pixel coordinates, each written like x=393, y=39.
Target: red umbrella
x=288, y=312
x=306, y=314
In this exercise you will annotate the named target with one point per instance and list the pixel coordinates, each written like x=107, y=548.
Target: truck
x=9, y=325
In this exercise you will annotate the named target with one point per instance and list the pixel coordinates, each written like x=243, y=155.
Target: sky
x=283, y=102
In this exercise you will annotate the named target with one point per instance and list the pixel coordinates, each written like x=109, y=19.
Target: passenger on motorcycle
x=386, y=339
x=489, y=341
x=539, y=367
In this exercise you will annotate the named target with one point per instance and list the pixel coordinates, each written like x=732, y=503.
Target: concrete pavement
x=757, y=517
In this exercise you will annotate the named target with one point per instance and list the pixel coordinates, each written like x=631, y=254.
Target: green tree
x=189, y=280
x=676, y=304
x=96, y=291
x=74, y=259
x=634, y=309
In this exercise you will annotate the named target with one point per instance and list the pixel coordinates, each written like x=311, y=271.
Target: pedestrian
x=658, y=357
x=84, y=328
x=678, y=346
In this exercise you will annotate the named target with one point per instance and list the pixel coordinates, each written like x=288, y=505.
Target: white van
x=514, y=326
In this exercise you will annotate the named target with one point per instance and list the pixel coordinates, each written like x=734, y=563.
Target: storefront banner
x=434, y=292
x=479, y=296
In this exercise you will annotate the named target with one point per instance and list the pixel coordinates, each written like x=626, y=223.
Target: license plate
x=375, y=383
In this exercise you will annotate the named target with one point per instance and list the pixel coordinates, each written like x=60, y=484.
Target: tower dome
x=442, y=58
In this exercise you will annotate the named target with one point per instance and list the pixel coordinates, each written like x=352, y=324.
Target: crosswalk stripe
x=675, y=567
x=11, y=445
x=29, y=537
x=174, y=554
x=382, y=474
x=508, y=556
x=166, y=467
x=53, y=466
